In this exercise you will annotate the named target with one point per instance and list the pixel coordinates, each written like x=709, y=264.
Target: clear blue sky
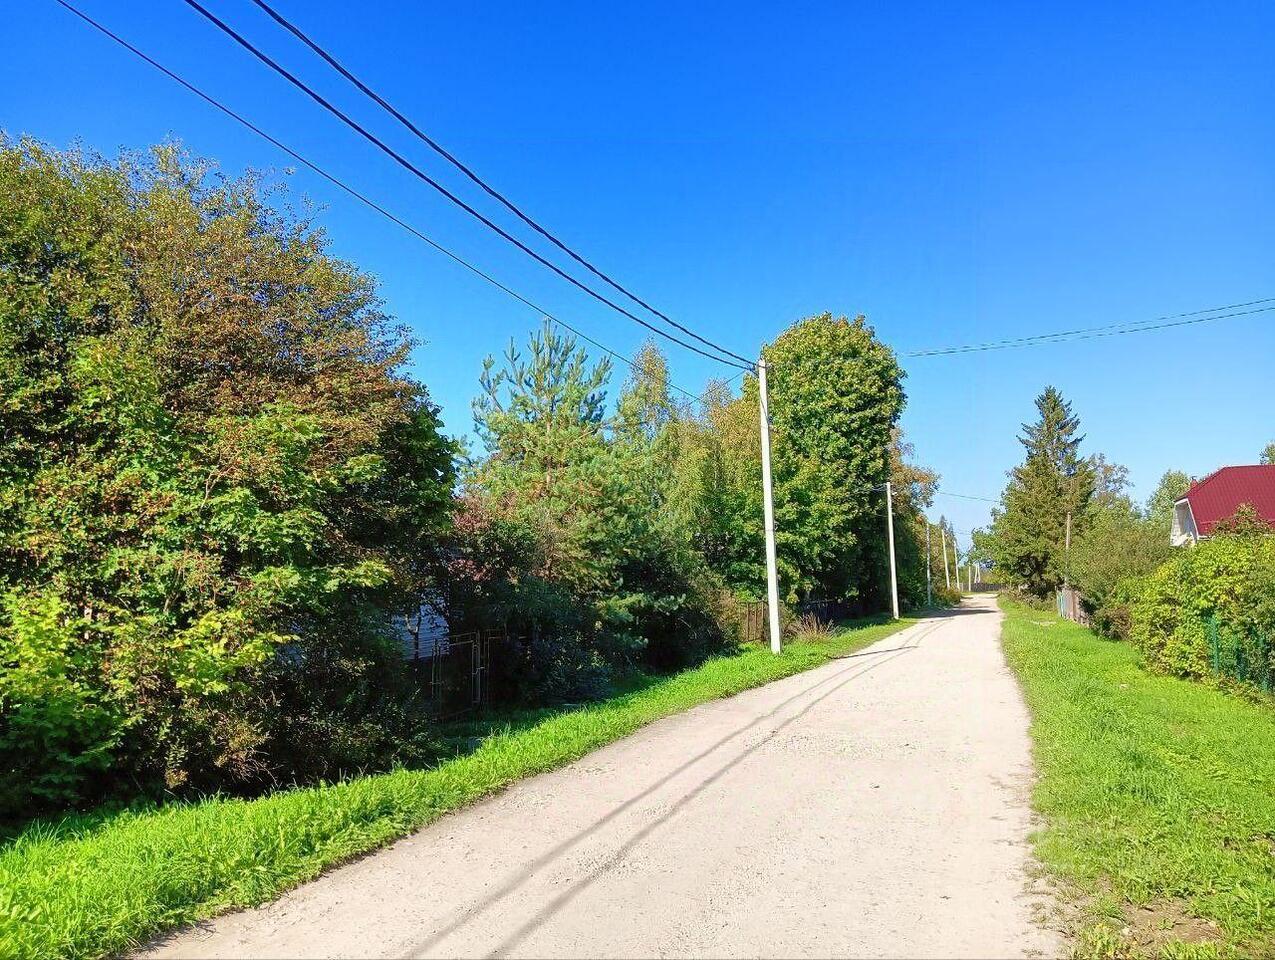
x=956, y=172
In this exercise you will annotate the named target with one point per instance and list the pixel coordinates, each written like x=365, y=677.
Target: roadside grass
x=1158, y=797
x=95, y=885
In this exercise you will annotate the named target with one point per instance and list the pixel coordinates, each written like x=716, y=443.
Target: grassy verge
x=1158, y=797
x=96, y=885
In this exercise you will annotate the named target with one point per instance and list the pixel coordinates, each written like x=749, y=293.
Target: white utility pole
x=971, y=576
x=956, y=564
x=929, y=599
x=947, y=577
x=1067, y=563
x=889, y=529
x=772, y=568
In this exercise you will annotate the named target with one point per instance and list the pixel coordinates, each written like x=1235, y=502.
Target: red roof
x=1221, y=493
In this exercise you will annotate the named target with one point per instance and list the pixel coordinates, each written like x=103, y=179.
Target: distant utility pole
x=929, y=600
x=768, y=497
x=889, y=528
x=947, y=577
x=956, y=563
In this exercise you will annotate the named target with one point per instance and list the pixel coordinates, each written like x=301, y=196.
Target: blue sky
x=958, y=173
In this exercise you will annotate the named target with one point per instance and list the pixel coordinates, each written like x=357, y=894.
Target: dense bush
x=1117, y=544
x=607, y=576
x=214, y=482
x=1228, y=582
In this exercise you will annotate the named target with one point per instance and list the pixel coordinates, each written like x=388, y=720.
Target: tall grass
x=1158, y=796
x=94, y=885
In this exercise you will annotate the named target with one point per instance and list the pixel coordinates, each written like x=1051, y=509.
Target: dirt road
x=875, y=807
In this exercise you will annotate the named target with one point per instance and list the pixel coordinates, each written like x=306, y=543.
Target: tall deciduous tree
x=836, y=397
x=1054, y=480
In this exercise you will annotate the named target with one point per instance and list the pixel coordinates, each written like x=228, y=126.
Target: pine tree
x=1053, y=480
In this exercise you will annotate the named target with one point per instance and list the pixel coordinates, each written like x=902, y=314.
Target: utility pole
x=889, y=528
x=1067, y=562
x=947, y=577
x=929, y=600
x=772, y=568
x=956, y=563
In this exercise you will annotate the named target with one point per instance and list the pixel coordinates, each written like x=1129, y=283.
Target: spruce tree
x=1053, y=480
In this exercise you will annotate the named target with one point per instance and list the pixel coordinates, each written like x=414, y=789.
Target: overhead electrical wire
x=364, y=199
x=468, y=172
x=426, y=178
x=1107, y=330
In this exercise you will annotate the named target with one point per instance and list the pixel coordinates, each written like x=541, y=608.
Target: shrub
x=1226, y=584
x=1116, y=544
x=215, y=482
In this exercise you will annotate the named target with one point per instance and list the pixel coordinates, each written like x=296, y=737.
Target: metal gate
x=457, y=671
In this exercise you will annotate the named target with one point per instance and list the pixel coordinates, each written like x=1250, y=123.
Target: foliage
x=1268, y=453
x=1027, y=536
x=913, y=489
x=1168, y=491
x=96, y=886
x=612, y=578
x=214, y=480
x=1117, y=543
x=1155, y=794
x=836, y=397
x=1228, y=580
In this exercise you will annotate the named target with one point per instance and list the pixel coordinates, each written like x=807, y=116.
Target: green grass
x=94, y=885
x=1158, y=796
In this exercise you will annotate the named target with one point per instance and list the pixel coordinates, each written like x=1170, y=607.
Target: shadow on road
x=832, y=683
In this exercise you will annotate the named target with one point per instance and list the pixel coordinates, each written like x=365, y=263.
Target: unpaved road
x=875, y=807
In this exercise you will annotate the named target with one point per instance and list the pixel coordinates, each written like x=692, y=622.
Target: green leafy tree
x=215, y=483
x=1053, y=481
x=836, y=398
x=1173, y=484
x=614, y=553
x=1117, y=545
x=1110, y=481
x=1268, y=453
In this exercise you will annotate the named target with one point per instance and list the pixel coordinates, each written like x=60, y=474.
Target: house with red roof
x=1218, y=496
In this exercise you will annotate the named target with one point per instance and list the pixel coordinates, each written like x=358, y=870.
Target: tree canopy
x=1028, y=531
x=209, y=452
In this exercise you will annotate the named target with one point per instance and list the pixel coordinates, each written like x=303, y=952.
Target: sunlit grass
x=95, y=885
x=1158, y=796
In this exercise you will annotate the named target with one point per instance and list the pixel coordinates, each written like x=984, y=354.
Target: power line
x=426, y=178
x=966, y=496
x=363, y=198
x=1108, y=330
x=468, y=172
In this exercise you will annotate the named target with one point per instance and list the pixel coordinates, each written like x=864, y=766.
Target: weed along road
x=874, y=807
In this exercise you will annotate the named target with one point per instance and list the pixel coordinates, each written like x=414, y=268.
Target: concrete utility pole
x=947, y=577
x=889, y=528
x=772, y=568
x=1067, y=571
x=929, y=600
x=956, y=563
